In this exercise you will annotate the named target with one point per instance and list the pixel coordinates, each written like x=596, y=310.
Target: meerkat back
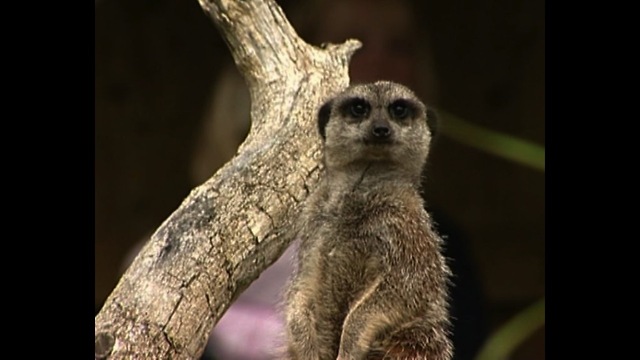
x=371, y=282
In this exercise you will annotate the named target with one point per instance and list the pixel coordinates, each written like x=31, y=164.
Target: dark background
x=155, y=65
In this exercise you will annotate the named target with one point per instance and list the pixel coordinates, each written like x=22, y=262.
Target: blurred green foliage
x=507, y=338
x=513, y=333
x=493, y=142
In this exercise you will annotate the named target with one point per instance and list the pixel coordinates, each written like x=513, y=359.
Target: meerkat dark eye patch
x=356, y=108
x=401, y=109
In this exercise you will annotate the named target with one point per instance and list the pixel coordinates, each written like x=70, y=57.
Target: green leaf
x=507, y=338
x=493, y=142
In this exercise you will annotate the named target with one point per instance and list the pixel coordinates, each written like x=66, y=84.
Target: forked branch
x=229, y=229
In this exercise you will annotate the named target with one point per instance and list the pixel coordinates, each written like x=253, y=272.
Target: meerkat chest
x=352, y=234
x=369, y=225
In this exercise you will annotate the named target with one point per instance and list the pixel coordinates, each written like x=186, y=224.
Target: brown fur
x=371, y=282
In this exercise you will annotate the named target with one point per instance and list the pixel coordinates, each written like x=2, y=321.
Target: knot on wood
x=104, y=345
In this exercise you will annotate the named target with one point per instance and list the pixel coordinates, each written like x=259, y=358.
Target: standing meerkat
x=370, y=282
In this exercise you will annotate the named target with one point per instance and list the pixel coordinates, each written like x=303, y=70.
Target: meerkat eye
x=399, y=109
x=359, y=108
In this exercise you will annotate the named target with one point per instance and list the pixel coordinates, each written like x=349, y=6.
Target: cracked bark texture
x=232, y=227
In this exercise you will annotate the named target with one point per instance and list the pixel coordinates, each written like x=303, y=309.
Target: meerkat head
x=376, y=122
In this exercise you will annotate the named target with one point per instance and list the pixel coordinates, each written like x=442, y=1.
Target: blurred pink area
x=252, y=327
x=247, y=331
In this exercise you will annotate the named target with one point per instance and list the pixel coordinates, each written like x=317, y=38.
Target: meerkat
x=371, y=282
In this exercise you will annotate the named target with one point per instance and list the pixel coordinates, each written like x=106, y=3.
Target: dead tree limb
x=236, y=224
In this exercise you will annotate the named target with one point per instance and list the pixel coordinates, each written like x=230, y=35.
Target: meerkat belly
x=350, y=264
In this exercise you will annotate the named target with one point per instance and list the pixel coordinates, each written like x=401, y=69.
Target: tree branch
x=236, y=224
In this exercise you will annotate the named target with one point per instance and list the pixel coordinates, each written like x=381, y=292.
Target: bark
x=237, y=223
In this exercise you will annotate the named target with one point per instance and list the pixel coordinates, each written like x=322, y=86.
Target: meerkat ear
x=323, y=118
x=432, y=122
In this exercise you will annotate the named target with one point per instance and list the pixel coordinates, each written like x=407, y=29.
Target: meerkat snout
x=381, y=130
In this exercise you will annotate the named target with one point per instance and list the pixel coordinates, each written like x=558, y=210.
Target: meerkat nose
x=381, y=131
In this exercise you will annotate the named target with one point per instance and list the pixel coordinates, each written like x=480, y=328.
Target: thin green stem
x=507, y=338
x=493, y=142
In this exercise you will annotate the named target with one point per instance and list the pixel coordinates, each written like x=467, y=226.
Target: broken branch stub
x=229, y=229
